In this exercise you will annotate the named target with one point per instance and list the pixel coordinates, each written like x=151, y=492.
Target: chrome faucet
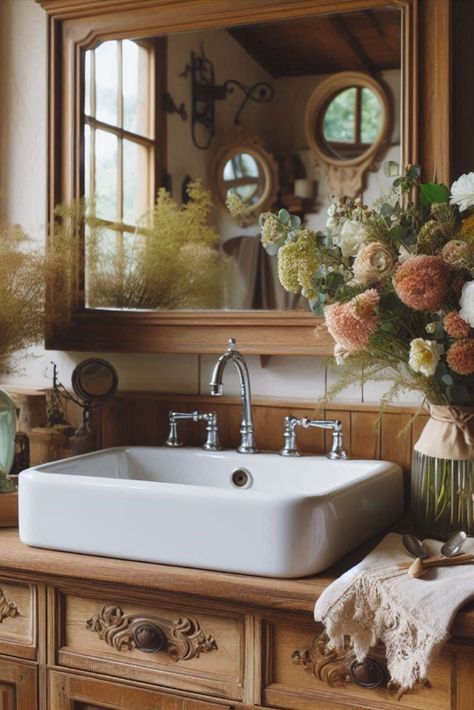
x=247, y=443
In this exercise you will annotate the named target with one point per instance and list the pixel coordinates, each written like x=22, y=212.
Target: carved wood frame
x=345, y=176
x=76, y=24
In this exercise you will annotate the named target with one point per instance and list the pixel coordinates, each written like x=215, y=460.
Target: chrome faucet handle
x=212, y=435
x=290, y=447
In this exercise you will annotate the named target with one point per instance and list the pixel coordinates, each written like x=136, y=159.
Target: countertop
x=296, y=595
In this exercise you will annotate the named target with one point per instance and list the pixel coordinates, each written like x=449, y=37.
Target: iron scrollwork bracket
x=205, y=92
x=182, y=639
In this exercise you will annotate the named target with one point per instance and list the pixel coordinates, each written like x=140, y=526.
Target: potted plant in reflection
x=21, y=326
x=395, y=285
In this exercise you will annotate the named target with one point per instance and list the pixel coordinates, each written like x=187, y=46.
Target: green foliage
x=171, y=261
x=21, y=294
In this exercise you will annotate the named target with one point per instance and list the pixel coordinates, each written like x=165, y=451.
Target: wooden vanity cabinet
x=85, y=633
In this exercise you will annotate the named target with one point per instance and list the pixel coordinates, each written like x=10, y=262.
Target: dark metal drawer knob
x=368, y=673
x=148, y=637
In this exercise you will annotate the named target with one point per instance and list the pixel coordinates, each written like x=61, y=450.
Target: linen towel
x=377, y=601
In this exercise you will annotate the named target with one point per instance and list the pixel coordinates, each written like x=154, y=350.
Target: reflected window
x=244, y=177
x=121, y=136
x=351, y=122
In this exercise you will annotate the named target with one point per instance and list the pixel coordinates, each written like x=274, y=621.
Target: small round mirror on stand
x=94, y=381
x=246, y=169
x=347, y=125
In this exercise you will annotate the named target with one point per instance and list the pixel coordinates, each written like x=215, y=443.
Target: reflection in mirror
x=134, y=141
x=352, y=120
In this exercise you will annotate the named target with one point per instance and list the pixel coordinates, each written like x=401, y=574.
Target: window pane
x=87, y=82
x=339, y=119
x=136, y=105
x=87, y=163
x=106, y=146
x=106, y=79
x=136, y=189
x=110, y=277
x=371, y=116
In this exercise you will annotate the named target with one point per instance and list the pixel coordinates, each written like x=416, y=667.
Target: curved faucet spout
x=247, y=443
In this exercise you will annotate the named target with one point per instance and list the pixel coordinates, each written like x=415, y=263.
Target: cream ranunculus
x=350, y=237
x=467, y=303
x=462, y=191
x=374, y=261
x=424, y=356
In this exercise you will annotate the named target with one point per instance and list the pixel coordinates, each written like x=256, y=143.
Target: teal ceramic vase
x=7, y=431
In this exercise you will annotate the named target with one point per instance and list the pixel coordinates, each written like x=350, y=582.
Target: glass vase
x=442, y=474
x=7, y=431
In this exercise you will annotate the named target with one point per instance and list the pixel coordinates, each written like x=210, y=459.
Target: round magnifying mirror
x=351, y=122
x=94, y=380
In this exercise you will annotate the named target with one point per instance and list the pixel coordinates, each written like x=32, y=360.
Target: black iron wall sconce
x=205, y=92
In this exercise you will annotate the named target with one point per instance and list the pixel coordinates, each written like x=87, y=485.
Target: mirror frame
x=345, y=176
x=75, y=25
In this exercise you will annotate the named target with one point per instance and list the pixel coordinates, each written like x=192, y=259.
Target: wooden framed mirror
x=77, y=27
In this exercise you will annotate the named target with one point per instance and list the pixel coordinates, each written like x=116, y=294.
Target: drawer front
x=298, y=676
x=18, y=618
x=69, y=692
x=180, y=646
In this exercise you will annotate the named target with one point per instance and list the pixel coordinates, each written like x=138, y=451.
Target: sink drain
x=241, y=478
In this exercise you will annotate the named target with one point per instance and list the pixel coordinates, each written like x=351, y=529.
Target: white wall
x=23, y=94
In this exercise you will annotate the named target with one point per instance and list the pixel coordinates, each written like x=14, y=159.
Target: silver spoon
x=415, y=547
x=453, y=546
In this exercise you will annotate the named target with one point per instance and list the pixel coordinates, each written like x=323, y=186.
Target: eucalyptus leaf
x=447, y=380
x=284, y=216
x=295, y=221
x=272, y=249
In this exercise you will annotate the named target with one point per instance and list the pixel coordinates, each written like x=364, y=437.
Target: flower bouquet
x=395, y=285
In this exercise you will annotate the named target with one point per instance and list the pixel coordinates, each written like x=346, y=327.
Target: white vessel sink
x=295, y=517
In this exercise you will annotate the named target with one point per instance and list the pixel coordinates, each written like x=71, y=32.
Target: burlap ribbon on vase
x=448, y=434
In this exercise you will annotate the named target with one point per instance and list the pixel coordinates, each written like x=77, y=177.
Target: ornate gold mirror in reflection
x=247, y=170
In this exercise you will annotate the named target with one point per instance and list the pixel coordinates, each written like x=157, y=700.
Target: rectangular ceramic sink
x=290, y=518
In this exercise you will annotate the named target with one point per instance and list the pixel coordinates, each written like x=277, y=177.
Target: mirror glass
x=351, y=122
x=158, y=112
x=94, y=380
x=243, y=176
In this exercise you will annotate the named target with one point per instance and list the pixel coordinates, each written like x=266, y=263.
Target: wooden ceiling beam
x=352, y=43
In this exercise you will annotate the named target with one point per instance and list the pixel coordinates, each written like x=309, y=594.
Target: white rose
x=462, y=191
x=467, y=303
x=424, y=356
x=351, y=237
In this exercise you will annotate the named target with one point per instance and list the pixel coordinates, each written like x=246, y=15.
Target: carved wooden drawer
x=298, y=676
x=18, y=618
x=180, y=646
